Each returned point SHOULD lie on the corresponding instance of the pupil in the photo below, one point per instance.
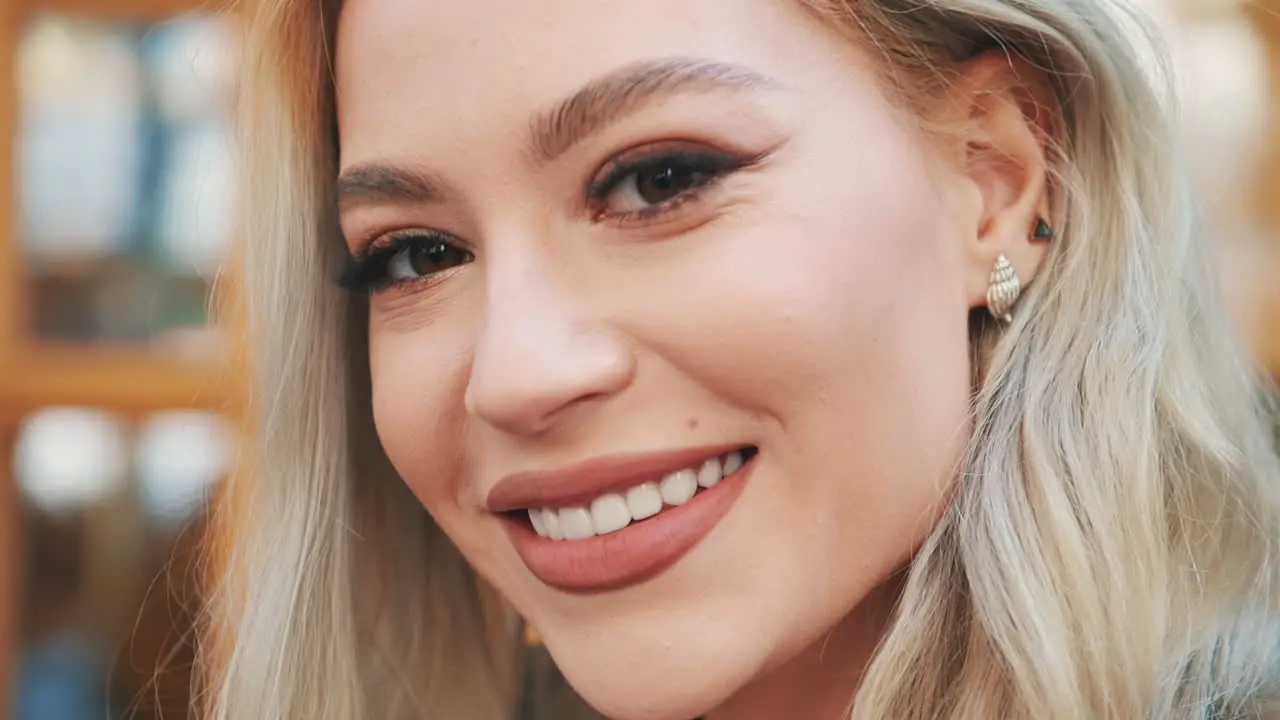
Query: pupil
(429, 260)
(664, 184)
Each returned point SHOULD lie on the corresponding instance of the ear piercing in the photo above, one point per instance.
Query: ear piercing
(1003, 290)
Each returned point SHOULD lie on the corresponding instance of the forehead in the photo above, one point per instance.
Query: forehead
(420, 68)
(499, 38)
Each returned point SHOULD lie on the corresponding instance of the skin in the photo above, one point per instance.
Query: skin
(814, 304)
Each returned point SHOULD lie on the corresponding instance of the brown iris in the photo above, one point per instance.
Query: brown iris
(432, 258)
(662, 183)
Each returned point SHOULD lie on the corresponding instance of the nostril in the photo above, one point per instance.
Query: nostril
(538, 363)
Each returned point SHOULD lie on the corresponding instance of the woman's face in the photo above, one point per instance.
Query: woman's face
(618, 247)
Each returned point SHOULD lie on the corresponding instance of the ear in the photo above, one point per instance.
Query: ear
(1001, 110)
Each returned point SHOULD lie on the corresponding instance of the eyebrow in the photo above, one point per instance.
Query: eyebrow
(374, 183)
(553, 132)
(607, 99)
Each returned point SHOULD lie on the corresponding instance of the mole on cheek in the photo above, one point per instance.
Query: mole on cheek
(693, 423)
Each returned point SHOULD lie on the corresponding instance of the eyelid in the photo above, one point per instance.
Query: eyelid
(627, 161)
(720, 165)
(365, 270)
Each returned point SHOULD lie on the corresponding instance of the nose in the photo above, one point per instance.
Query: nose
(540, 354)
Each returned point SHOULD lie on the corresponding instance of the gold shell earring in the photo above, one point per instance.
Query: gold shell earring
(1003, 290)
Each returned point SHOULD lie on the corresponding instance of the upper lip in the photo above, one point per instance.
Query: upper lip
(579, 484)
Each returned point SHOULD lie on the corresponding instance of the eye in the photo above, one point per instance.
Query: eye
(400, 259)
(655, 185)
(652, 180)
(424, 257)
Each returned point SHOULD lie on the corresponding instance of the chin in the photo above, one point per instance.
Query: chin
(634, 674)
(619, 696)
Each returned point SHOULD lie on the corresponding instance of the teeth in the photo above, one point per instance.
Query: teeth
(612, 512)
(535, 517)
(678, 487)
(576, 523)
(644, 501)
(551, 520)
(609, 513)
(732, 462)
(710, 473)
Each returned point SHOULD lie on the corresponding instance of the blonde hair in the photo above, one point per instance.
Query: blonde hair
(1110, 551)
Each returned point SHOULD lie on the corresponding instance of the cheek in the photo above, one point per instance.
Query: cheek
(847, 294)
(417, 380)
(839, 315)
(864, 329)
(419, 372)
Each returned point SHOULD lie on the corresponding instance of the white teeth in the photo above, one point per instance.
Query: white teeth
(612, 512)
(609, 513)
(551, 521)
(732, 462)
(576, 523)
(644, 501)
(535, 517)
(710, 473)
(678, 487)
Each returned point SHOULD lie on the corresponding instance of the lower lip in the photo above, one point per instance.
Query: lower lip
(633, 554)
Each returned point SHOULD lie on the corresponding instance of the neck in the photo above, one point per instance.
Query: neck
(821, 681)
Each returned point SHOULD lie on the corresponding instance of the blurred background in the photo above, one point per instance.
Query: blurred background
(119, 405)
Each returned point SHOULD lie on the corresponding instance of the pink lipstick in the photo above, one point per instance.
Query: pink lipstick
(618, 520)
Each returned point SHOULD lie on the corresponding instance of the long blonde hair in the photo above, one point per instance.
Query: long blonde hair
(1111, 548)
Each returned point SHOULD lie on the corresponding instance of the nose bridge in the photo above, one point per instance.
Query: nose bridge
(540, 348)
(528, 310)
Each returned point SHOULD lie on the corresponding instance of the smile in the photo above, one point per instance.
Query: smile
(614, 511)
(617, 521)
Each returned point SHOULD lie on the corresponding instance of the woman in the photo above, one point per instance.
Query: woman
(776, 359)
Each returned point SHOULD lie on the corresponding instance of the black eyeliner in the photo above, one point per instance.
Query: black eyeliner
(366, 270)
(360, 272)
(710, 162)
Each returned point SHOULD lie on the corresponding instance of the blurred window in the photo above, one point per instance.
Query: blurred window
(125, 174)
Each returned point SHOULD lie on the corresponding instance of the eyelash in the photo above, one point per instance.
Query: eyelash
(714, 164)
(367, 271)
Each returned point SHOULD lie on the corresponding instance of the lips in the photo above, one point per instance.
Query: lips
(568, 526)
(580, 484)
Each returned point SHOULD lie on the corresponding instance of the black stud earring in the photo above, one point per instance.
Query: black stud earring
(1043, 231)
